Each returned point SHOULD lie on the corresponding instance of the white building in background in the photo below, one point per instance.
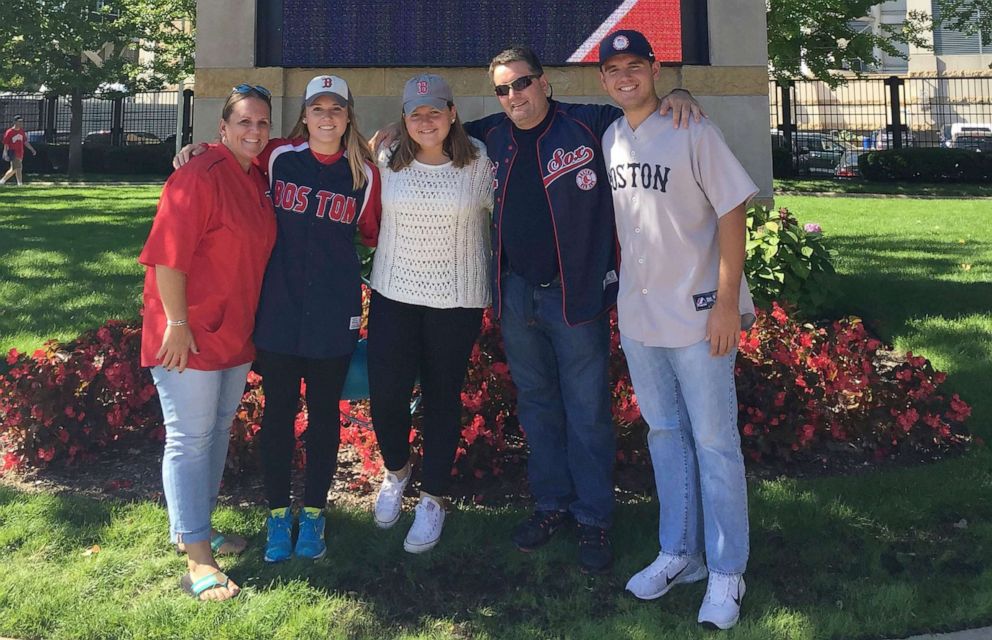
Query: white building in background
(951, 52)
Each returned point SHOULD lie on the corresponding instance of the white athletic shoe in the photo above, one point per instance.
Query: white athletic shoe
(389, 502)
(657, 579)
(428, 521)
(722, 603)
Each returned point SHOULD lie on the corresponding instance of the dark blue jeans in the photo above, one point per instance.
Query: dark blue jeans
(563, 401)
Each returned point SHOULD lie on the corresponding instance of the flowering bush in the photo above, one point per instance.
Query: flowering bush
(489, 423)
(804, 388)
(786, 262)
(804, 391)
(69, 401)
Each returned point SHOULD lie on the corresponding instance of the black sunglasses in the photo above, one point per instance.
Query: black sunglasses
(519, 84)
(244, 87)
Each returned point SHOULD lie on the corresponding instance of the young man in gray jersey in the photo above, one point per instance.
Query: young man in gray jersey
(679, 197)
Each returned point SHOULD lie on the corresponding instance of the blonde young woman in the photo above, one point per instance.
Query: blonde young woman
(430, 281)
(324, 187)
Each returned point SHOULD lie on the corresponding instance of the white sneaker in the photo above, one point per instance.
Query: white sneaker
(389, 502)
(722, 603)
(428, 521)
(657, 579)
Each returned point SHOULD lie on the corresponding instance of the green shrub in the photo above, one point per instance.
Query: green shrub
(926, 165)
(128, 160)
(782, 164)
(786, 261)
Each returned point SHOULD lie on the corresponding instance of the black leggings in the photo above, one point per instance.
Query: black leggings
(404, 340)
(281, 375)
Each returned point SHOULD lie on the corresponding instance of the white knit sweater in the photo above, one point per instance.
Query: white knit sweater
(434, 242)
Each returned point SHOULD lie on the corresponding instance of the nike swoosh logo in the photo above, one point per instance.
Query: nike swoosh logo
(737, 598)
(670, 579)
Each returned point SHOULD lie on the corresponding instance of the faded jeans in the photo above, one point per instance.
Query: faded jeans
(198, 408)
(689, 400)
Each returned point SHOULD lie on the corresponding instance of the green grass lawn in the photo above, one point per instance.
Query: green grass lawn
(881, 554)
(920, 273)
(927, 189)
(68, 259)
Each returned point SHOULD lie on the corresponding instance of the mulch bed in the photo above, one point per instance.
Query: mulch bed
(135, 474)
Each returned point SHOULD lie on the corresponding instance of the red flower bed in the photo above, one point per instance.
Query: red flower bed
(804, 391)
(803, 388)
(69, 401)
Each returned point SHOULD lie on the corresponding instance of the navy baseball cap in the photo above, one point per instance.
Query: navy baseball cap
(625, 41)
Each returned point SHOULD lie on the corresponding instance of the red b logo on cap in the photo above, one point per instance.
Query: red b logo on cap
(422, 88)
(327, 81)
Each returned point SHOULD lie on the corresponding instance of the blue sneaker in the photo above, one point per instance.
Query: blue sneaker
(279, 540)
(310, 543)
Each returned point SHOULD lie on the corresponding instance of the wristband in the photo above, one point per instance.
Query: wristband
(175, 323)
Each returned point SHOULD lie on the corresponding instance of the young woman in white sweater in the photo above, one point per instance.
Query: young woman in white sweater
(430, 284)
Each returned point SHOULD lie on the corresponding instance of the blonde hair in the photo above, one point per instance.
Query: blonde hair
(457, 146)
(355, 144)
(238, 96)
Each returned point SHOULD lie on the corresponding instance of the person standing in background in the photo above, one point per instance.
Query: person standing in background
(14, 141)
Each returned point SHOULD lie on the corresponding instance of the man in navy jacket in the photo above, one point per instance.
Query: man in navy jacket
(555, 276)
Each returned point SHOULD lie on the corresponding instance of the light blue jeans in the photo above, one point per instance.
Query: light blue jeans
(689, 400)
(198, 407)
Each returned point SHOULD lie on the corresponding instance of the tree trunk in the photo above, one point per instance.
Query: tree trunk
(76, 135)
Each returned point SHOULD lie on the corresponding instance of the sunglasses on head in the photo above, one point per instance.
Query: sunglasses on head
(244, 87)
(519, 84)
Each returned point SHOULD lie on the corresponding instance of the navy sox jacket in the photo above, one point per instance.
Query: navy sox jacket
(574, 174)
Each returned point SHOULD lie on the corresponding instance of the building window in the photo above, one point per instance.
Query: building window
(948, 42)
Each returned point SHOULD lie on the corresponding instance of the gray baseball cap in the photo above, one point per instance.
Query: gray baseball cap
(427, 88)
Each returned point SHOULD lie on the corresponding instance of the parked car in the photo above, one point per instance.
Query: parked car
(979, 141)
(38, 137)
(130, 138)
(882, 139)
(815, 152)
(847, 166)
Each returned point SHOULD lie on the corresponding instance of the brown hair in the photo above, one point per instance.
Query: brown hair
(457, 146)
(238, 96)
(517, 53)
(353, 141)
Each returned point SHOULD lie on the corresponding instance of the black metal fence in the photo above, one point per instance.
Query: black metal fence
(144, 118)
(818, 130)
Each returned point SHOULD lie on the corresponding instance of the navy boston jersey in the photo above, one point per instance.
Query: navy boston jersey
(311, 301)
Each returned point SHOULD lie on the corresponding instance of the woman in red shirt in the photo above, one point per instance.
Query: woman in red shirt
(205, 258)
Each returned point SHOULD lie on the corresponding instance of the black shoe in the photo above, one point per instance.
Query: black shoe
(536, 530)
(595, 553)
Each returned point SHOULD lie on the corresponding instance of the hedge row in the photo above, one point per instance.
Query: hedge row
(926, 165)
(129, 160)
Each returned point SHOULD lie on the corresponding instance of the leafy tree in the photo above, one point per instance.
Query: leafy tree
(80, 47)
(818, 37)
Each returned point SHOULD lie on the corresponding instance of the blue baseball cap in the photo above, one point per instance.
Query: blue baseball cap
(625, 41)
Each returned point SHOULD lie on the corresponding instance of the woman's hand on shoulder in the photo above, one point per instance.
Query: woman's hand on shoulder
(384, 138)
(187, 153)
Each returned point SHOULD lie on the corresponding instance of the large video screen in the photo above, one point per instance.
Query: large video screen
(395, 33)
